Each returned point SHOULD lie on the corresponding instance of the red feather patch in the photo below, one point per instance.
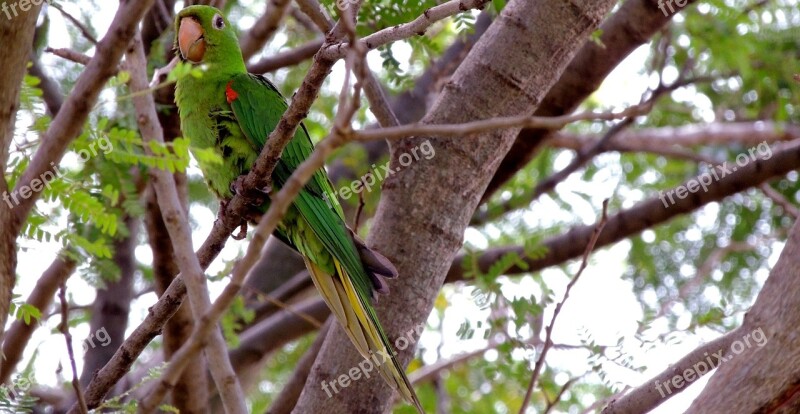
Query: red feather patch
(230, 94)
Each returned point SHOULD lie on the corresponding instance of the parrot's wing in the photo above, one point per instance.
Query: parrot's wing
(258, 106)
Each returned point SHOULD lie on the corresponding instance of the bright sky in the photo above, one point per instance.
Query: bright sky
(601, 304)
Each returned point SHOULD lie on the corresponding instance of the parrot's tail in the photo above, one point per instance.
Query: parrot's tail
(362, 326)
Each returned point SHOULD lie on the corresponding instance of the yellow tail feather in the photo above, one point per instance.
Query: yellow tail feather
(341, 296)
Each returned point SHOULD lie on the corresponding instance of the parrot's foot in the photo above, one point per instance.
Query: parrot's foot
(242, 232)
(259, 195)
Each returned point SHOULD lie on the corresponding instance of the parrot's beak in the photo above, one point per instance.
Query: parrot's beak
(190, 40)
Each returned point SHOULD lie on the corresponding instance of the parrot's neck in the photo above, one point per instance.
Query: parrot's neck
(198, 97)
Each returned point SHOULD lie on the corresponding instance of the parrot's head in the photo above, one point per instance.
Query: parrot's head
(204, 35)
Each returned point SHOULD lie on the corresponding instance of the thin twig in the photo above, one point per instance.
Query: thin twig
(162, 72)
(286, 58)
(475, 127)
(549, 329)
(359, 210)
(84, 30)
(417, 26)
(70, 55)
(780, 200)
(285, 306)
(64, 328)
(378, 104)
(551, 404)
(548, 184)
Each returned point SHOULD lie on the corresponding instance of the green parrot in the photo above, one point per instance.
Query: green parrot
(233, 112)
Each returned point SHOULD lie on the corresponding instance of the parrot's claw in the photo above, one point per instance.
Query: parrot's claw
(242, 232)
(259, 195)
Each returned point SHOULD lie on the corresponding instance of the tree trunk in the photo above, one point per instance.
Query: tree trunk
(426, 207)
(763, 377)
(13, 31)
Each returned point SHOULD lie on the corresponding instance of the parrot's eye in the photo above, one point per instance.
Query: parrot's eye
(219, 22)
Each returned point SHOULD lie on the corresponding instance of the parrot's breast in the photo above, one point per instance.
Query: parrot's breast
(209, 123)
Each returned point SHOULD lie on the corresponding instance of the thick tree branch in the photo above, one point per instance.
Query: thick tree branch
(51, 94)
(312, 9)
(276, 331)
(643, 215)
(646, 397)
(190, 393)
(264, 28)
(41, 298)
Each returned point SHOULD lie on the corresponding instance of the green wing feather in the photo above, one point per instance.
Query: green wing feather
(258, 106)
